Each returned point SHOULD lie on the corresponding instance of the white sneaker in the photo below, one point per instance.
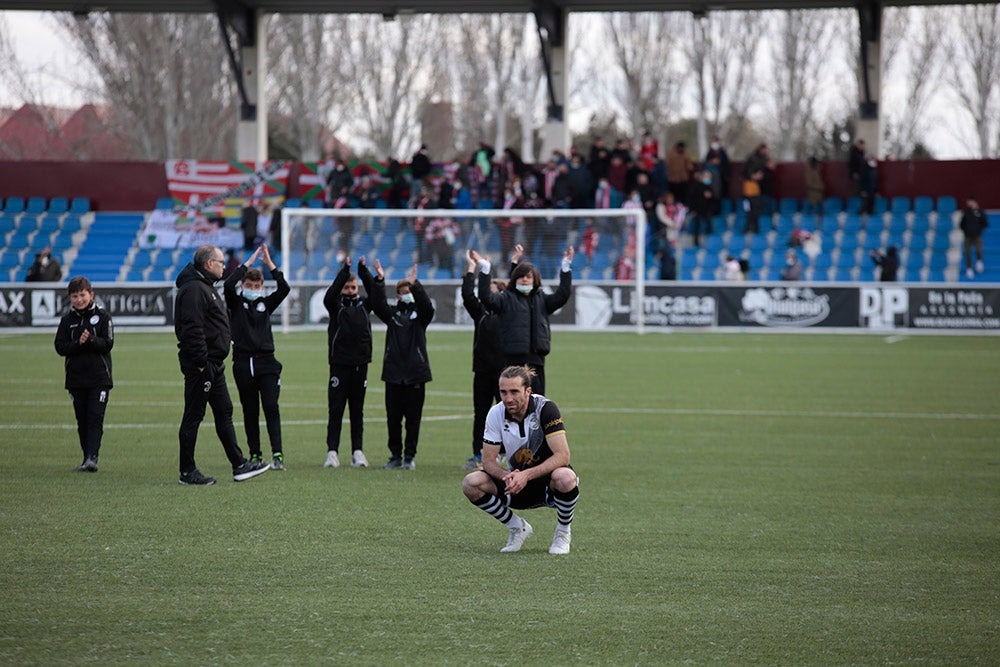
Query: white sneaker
(969, 274)
(560, 543)
(517, 537)
(332, 460)
(358, 459)
(979, 266)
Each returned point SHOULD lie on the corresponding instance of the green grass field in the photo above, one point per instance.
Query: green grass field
(745, 499)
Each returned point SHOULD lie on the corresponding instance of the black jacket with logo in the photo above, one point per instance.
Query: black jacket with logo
(405, 360)
(487, 355)
(87, 365)
(524, 319)
(201, 322)
(250, 321)
(349, 333)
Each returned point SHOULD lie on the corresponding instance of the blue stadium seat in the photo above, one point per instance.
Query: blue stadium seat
(900, 205)
(164, 259)
(71, 224)
(63, 240)
(788, 205)
(142, 260)
(881, 205)
(48, 224)
(79, 205)
(737, 242)
(897, 224)
(846, 260)
(7, 224)
(35, 205)
(914, 262)
(9, 259)
(822, 261)
(946, 205)
(923, 204)
(58, 205)
(759, 242)
(727, 206)
(853, 205)
(936, 276)
(833, 205)
(843, 275)
(27, 224)
(14, 205)
(135, 275)
(316, 203)
(918, 242)
(784, 224)
(938, 261)
(848, 242)
(713, 243)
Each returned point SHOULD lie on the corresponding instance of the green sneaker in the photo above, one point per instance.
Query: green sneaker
(278, 463)
(256, 458)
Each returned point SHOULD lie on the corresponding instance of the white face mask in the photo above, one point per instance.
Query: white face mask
(406, 298)
(252, 295)
(525, 289)
(715, 145)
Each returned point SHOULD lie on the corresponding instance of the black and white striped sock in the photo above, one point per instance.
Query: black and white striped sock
(495, 507)
(565, 505)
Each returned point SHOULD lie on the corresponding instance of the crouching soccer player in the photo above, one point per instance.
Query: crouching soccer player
(530, 430)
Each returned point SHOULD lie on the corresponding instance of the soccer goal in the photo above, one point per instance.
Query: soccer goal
(609, 244)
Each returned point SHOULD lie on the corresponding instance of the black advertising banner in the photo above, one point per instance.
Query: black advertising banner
(788, 306)
(45, 304)
(14, 305)
(954, 308)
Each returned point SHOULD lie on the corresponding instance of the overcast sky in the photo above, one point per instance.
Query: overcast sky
(48, 59)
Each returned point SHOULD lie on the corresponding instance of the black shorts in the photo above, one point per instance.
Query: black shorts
(536, 493)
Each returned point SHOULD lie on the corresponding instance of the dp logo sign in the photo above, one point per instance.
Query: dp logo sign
(884, 307)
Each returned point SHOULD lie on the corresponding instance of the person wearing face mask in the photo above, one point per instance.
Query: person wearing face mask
(349, 349)
(256, 371)
(45, 269)
(85, 337)
(523, 311)
(405, 366)
(717, 160)
(702, 204)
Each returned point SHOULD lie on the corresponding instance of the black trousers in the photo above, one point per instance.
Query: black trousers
(485, 392)
(201, 389)
(89, 405)
(403, 401)
(347, 388)
(258, 381)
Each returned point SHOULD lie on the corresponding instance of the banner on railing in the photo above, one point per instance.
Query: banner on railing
(204, 186)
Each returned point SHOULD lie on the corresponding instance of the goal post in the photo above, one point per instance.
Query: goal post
(311, 233)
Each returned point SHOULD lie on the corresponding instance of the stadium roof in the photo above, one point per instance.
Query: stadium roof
(397, 7)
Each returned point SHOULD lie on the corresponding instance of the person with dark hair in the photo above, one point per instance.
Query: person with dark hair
(201, 324)
(349, 351)
(487, 357)
(406, 368)
(889, 263)
(45, 268)
(973, 224)
(523, 310)
(255, 369)
(528, 429)
(85, 337)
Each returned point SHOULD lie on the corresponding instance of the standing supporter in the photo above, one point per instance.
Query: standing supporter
(201, 325)
(405, 366)
(669, 221)
(508, 226)
(523, 310)
(85, 337)
(648, 151)
(702, 204)
(528, 429)
(255, 369)
(679, 168)
(349, 351)
(855, 161)
(487, 358)
(888, 263)
(717, 160)
(973, 225)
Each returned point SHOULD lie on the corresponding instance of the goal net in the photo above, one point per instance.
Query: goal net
(609, 244)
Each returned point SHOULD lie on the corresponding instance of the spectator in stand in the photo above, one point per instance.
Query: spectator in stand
(583, 187)
(487, 358)
(441, 235)
(760, 161)
(717, 161)
(647, 194)
(889, 263)
(648, 151)
(248, 223)
(339, 182)
(622, 152)
(420, 170)
(85, 337)
(405, 368)
(461, 200)
(669, 221)
(617, 172)
(814, 189)
(482, 170)
(367, 193)
(733, 269)
(397, 184)
(589, 238)
(658, 176)
(549, 174)
(868, 185)
(512, 167)
(634, 201)
(45, 268)
(679, 168)
(792, 270)
(425, 200)
(508, 225)
(600, 160)
(523, 311)
(702, 203)
(855, 161)
(973, 224)
(625, 267)
(751, 201)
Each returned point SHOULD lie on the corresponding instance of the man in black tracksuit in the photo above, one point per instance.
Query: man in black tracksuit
(405, 367)
(255, 369)
(487, 359)
(349, 351)
(201, 325)
(85, 337)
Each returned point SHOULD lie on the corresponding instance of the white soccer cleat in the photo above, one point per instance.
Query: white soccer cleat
(517, 537)
(358, 459)
(332, 460)
(560, 543)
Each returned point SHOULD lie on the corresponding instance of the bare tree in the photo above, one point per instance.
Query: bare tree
(802, 40)
(905, 122)
(975, 72)
(647, 68)
(386, 65)
(306, 76)
(164, 75)
(723, 54)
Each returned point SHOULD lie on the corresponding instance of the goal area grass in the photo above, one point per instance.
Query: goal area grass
(791, 499)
